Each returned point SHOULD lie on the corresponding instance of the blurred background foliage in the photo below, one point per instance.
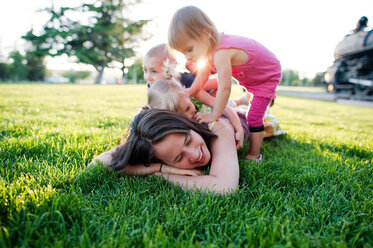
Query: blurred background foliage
(101, 35)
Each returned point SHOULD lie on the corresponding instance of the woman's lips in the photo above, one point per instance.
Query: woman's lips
(201, 156)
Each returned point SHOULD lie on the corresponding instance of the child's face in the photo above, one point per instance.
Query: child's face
(153, 69)
(186, 107)
(194, 50)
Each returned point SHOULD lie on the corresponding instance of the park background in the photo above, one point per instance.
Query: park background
(302, 34)
(313, 189)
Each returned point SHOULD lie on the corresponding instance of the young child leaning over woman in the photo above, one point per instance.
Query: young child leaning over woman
(255, 67)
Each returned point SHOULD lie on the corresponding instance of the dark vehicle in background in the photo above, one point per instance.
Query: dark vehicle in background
(351, 75)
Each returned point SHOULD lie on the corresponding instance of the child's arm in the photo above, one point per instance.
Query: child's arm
(222, 61)
(200, 80)
(211, 84)
(209, 100)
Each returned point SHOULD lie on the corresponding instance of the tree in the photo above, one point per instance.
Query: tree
(35, 69)
(103, 37)
(35, 54)
(17, 68)
(290, 77)
(73, 76)
(136, 73)
(318, 80)
(4, 71)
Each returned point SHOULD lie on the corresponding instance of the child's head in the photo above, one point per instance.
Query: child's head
(159, 63)
(192, 33)
(169, 94)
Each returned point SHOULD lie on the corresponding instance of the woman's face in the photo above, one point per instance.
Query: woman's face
(183, 151)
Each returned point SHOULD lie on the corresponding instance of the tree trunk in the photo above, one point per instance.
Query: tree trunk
(124, 76)
(100, 73)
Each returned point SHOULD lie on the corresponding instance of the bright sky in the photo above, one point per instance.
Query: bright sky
(302, 34)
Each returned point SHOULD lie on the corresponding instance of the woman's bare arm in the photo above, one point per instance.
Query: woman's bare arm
(142, 170)
(209, 100)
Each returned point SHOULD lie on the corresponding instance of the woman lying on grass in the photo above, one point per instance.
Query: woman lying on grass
(168, 144)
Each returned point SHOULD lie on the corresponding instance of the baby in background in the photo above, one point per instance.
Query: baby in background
(160, 63)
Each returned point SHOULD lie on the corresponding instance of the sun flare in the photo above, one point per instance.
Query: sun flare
(201, 63)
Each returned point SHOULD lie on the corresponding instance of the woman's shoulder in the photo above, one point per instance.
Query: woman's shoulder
(221, 127)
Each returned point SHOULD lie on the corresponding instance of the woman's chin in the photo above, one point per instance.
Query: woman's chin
(206, 157)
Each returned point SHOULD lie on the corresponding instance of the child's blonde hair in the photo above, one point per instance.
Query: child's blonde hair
(191, 22)
(165, 94)
(164, 53)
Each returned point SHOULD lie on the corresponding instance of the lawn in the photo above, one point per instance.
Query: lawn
(313, 189)
(303, 88)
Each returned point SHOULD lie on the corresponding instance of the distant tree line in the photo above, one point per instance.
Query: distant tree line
(100, 34)
(30, 67)
(293, 78)
(27, 67)
(104, 37)
(289, 77)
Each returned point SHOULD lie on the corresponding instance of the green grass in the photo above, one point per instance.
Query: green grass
(313, 189)
(303, 88)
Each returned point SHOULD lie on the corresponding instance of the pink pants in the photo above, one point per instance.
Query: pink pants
(256, 113)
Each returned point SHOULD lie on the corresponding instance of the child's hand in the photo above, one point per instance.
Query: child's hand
(204, 117)
(239, 136)
(190, 66)
(188, 92)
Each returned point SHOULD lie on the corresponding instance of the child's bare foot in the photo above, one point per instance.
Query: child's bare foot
(243, 100)
(255, 158)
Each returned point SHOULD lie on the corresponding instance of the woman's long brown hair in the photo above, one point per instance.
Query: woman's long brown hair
(149, 127)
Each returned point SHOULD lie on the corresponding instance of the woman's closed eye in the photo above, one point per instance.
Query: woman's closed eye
(188, 140)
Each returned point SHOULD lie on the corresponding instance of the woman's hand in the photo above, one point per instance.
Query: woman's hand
(157, 169)
(166, 169)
